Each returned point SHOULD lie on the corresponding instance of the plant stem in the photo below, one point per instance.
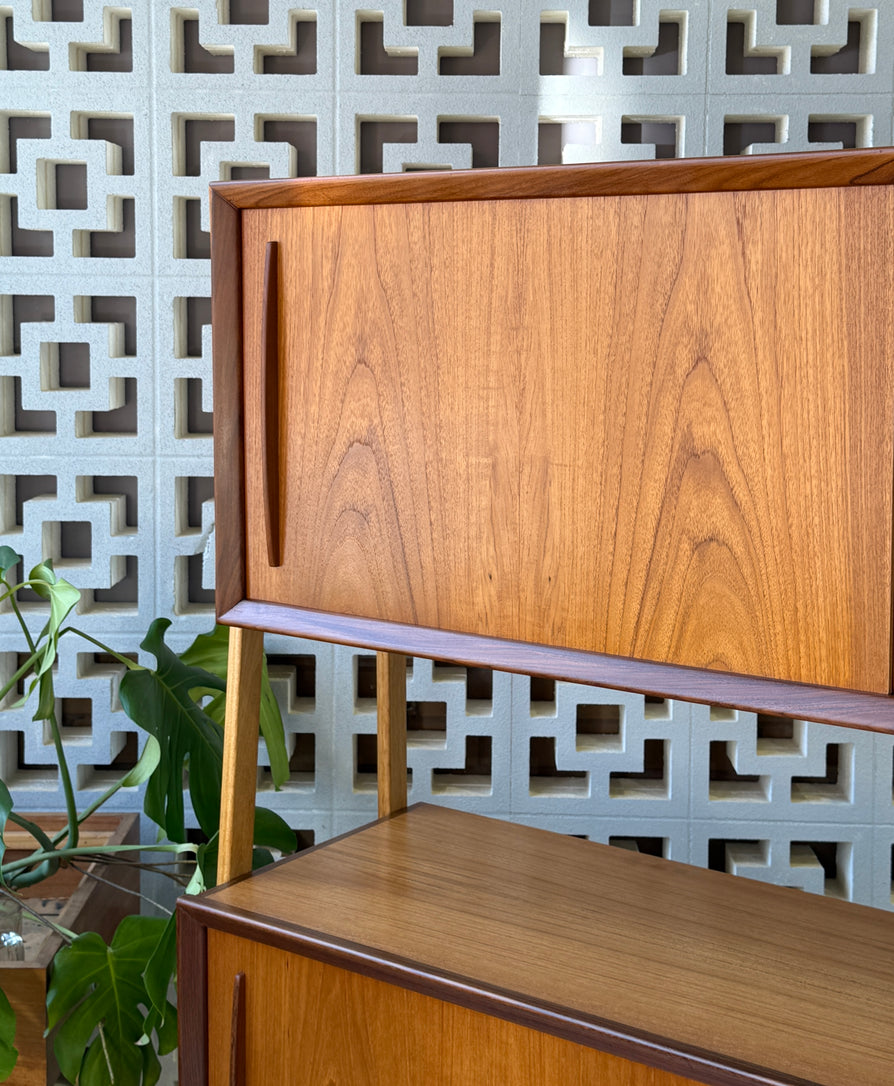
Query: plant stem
(122, 889)
(87, 852)
(63, 933)
(131, 665)
(158, 868)
(67, 789)
(36, 832)
(23, 670)
(179, 878)
(25, 630)
(94, 806)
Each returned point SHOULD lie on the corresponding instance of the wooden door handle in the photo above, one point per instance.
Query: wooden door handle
(237, 1033)
(270, 402)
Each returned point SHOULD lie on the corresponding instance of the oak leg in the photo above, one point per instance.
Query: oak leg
(391, 707)
(240, 752)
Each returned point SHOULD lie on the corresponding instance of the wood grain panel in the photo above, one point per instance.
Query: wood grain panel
(816, 169)
(603, 946)
(229, 476)
(650, 427)
(28, 997)
(345, 1029)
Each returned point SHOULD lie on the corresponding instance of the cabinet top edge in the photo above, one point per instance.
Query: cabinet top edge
(812, 169)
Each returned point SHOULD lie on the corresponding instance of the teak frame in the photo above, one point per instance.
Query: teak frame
(249, 552)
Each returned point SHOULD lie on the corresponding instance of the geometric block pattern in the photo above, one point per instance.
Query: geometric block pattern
(112, 123)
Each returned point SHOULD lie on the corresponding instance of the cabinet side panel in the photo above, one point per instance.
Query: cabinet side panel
(229, 474)
(655, 427)
(193, 994)
(309, 1022)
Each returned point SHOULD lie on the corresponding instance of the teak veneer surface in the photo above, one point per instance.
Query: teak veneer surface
(817, 169)
(503, 918)
(346, 1029)
(656, 427)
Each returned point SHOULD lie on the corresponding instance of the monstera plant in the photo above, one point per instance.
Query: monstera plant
(109, 1003)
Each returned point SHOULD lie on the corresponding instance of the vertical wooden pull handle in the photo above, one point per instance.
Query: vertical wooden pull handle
(391, 742)
(237, 1033)
(270, 402)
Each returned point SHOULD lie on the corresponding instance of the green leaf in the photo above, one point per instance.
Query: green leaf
(151, 1066)
(46, 701)
(45, 657)
(62, 595)
(94, 986)
(279, 834)
(22, 673)
(260, 857)
(159, 701)
(161, 969)
(141, 772)
(200, 880)
(166, 1031)
(5, 809)
(216, 708)
(273, 731)
(8, 1053)
(8, 560)
(210, 651)
(146, 764)
(42, 573)
(272, 831)
(164, 1027)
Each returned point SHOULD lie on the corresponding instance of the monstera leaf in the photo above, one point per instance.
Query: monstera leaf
(159, 700)
(95, 997)
(5, 809)
(209, 651)
(160, 970)
(162, 702)
(63, 598)
(9, 559)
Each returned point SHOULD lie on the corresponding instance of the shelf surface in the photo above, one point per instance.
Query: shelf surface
(609, 948)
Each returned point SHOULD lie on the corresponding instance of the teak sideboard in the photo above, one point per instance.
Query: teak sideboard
(628, 425)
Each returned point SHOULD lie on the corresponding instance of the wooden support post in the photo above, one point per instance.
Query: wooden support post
(240, 753)
(391, 706)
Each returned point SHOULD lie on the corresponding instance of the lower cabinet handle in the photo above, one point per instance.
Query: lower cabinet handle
(237, 1033)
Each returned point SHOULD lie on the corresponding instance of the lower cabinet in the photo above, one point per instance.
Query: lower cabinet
(301, 1021)
(437, 948)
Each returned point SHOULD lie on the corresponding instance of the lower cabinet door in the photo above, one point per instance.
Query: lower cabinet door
(278, 1017)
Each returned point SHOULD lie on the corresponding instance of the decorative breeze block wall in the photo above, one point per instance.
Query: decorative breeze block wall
(113, 120)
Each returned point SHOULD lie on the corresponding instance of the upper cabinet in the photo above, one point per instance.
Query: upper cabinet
(649, 419)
